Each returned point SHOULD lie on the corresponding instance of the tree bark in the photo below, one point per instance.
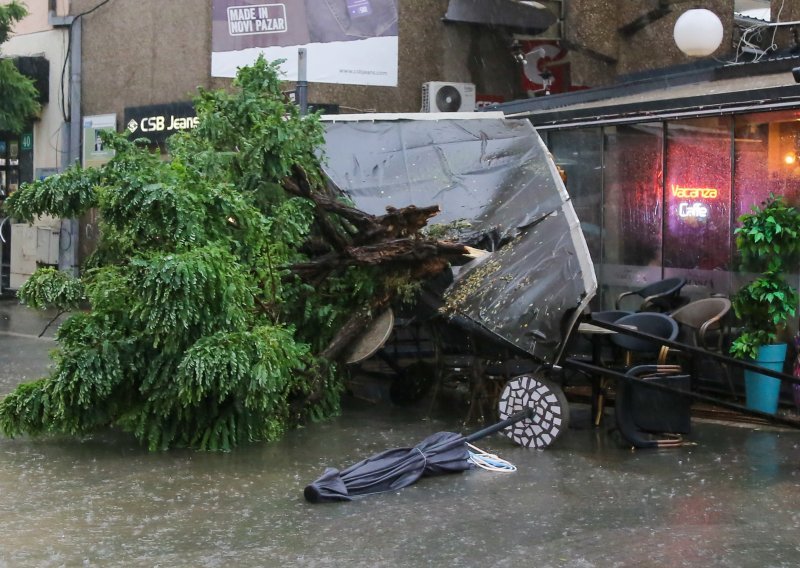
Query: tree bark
(405, 251)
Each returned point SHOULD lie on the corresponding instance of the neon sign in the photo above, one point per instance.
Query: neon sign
(694, 192)
(696, 210)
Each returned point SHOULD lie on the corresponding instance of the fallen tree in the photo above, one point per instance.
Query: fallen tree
(226, 285)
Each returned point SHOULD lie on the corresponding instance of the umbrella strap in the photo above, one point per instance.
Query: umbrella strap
(424, 457)
(489, 461)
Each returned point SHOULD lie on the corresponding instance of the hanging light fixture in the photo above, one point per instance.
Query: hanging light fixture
(698, 32)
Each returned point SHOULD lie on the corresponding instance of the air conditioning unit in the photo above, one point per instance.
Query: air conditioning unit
(440, 96)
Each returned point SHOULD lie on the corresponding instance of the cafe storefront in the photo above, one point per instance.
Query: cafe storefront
(659, 176)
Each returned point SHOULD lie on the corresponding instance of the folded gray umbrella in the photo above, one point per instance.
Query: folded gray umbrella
(443, 452)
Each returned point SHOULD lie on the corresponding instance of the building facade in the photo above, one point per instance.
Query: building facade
(39, 48)
(660, 174)
(117, 61)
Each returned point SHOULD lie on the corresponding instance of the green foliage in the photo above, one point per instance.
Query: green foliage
(195, 331)
(767, 241)
(62, 195)
(263, 138)
(229, 387)
(764, 305)
(18, 96)
(769, 238)
(9, 14)
(189, 295)
(49, 288)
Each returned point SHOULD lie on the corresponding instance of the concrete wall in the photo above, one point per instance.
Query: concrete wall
(48, 130)
(151, 51)
(33, 36)
(143, 52)
(139, 52)
(420, 60)
(430, 50)
(592, 26)
(36, 20)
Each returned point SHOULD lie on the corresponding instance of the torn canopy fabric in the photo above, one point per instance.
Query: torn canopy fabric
(498, 189)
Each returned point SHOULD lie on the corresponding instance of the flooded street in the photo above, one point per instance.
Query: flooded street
(733, 499)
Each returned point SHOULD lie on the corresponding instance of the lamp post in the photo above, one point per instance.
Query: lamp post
(698, 32)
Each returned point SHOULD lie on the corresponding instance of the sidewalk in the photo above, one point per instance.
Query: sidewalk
(21, 321)
(26, 340)
(729, 498)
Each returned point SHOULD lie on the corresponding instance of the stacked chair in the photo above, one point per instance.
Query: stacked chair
(636, 350)
(649, 417)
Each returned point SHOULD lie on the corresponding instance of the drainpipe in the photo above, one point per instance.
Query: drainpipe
(68, 255)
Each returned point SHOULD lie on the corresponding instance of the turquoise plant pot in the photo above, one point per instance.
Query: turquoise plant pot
(762, 391)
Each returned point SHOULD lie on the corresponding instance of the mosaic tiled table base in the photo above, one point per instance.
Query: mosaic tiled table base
(549, 418)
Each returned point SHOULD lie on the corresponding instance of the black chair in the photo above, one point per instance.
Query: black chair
(653, 418)
(657, 324)
(637, 348)
(602, 350)
(610, 316)
(661, 296)
(586, 345)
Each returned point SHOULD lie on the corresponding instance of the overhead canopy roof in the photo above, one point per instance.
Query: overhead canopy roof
(725, 89)
(520, 17)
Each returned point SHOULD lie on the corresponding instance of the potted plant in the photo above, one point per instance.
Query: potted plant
(769, 242)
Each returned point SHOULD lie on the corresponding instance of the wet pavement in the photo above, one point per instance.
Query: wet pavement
(731, 499)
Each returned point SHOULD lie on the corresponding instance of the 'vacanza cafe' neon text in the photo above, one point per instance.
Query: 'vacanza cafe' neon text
(695, 210)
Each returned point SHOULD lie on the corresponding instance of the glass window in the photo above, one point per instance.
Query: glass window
(579, 155)
(9, 182)
(632, 201)
(697, 238)
(649, 215)
(767, 158)
(9, 166)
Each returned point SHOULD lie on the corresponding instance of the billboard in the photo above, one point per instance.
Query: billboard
(350, 42)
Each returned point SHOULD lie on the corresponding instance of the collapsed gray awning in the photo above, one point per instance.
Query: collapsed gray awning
(498, 189)
(520, 17)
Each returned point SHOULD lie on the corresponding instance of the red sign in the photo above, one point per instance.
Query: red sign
(545, 68)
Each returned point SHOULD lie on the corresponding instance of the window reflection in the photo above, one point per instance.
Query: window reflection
(579, 154)
(767, 158)
(631, 209)
(632, 202)
(648, 215)
(697, 196)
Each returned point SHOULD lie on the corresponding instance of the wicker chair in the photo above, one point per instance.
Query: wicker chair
(703, 323)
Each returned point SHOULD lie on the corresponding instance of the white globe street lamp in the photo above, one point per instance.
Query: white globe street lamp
(698, 32)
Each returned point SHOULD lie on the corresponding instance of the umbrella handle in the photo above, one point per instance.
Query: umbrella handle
(513, 419)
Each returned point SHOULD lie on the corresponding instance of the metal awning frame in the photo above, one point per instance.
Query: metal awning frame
(601, 105)
(690, 107)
